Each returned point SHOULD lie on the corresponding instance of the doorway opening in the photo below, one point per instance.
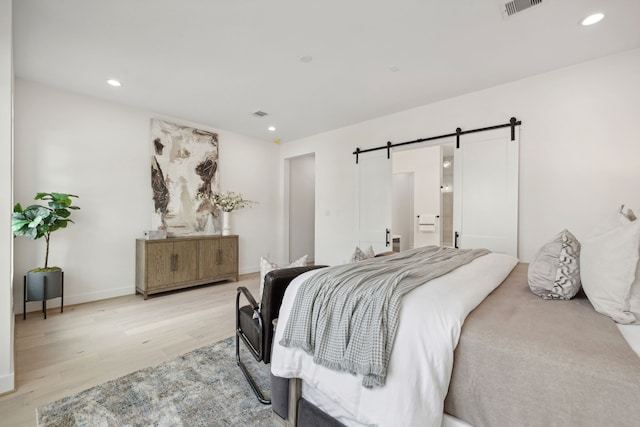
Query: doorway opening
(301, 207)
(402, 211)
(424, 174)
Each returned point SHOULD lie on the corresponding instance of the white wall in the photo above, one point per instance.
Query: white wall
(335, 192)
(425, 163)
(580, 145)
(6, 161)
(101, 151)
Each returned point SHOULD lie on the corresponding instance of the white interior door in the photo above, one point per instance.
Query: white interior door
(373, 172)
(486, 191)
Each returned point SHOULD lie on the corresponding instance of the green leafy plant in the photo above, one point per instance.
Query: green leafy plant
(38, 221)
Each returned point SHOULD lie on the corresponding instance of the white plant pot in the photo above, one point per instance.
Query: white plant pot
(226, 223)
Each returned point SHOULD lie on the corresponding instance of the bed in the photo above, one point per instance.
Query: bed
(518, 360)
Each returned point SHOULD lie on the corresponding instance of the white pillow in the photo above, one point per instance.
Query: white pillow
(360, 255)
(267, 266)
(608, 266)
(634, 297)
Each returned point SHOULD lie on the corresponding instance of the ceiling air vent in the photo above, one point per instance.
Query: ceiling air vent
(260, 113)
(510, 8)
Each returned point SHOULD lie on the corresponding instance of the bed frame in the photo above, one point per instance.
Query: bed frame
(291, 409)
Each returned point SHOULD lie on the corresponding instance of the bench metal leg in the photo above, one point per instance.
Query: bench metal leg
(247, 375)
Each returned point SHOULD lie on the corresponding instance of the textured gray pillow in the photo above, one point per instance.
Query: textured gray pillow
(360, 255)
(555, 272)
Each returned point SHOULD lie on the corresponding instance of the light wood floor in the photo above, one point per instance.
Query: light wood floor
(95, 342)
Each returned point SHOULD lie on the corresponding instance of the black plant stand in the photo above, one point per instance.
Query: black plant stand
(44, 299)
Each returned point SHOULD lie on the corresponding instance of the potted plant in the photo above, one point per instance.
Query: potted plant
(38, 221)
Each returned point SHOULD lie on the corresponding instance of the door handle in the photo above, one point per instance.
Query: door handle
(387, 237)
(455, 242)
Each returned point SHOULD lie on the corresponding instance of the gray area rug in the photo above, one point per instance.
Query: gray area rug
(202, 388)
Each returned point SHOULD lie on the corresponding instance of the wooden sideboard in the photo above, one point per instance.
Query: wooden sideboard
(180, 262)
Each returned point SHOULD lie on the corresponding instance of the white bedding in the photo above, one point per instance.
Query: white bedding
(422, 358)
(631, 333)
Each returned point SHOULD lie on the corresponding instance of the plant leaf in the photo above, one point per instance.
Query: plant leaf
(17, 225)
(36, 221)
(31, 233)
(63, 213)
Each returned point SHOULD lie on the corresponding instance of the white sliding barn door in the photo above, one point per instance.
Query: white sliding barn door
(486, 191)
(374, 183)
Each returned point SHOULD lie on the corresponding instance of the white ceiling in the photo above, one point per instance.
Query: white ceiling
(215, 62)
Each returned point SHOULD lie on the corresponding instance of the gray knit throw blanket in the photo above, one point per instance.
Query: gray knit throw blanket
(346, 316)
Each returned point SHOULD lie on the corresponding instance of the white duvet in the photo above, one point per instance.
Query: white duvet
(422, 356)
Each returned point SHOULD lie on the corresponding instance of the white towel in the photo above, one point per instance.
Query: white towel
(426, 219)
(427, 223)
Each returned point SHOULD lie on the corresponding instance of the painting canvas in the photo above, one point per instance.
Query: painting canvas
(184, 176)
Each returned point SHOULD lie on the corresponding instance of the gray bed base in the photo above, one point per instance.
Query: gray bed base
(290, 409)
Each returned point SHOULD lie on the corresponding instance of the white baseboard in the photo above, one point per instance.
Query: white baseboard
(7, 383)
(96, 296)
(77, 299)
(249, 270)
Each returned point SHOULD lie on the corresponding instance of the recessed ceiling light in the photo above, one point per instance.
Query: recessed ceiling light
(592, 19)
(114, 83)
(272, 128)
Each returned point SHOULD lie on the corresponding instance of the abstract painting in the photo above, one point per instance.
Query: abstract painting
(184, 176)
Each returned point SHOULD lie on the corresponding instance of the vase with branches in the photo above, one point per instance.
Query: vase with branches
(228, 202)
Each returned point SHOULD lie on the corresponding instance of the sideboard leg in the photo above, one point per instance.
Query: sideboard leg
(46, 295)
(62, 294)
